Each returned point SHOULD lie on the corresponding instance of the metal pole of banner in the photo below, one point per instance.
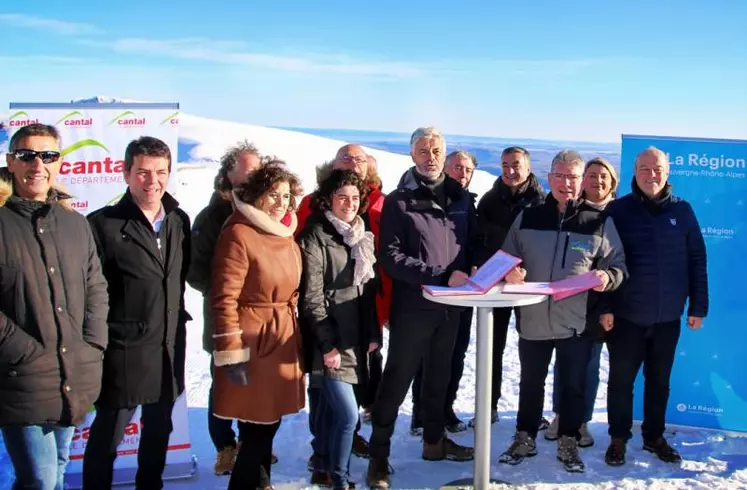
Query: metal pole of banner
(482, 397)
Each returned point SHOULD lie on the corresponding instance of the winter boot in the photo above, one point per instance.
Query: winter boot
(615, 455)
(447, 449)
(663, 450)
(378, 473)
(453, 424)
(493, 419)
(521, 448)
(224, 461)
(360, 446)
(568, 455)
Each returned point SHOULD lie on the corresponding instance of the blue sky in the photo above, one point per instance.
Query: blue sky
(536, 69)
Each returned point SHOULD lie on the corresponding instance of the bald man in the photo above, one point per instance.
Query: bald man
(666, 259)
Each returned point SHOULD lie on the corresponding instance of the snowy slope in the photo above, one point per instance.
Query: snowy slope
(208, 139)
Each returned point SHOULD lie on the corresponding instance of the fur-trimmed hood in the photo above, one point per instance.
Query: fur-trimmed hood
(6, 190)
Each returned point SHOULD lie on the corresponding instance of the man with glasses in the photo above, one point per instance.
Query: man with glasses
(563, 237)
(516, 189)
(53, 309)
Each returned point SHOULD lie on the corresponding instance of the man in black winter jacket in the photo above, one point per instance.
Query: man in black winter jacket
(425, 239)
(144, 246)
(460, 165)
(666, 258)
(235, 166)
(516, 189)
(53, 308)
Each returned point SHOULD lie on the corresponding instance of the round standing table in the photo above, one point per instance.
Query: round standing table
(484, 304)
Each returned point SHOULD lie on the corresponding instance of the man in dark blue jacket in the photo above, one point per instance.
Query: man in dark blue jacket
(666, 259)
(426, 224)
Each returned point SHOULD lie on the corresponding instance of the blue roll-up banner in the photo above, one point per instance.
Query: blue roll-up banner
(708, 384)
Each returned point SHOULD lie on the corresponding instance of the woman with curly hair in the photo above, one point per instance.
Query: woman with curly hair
(254, 293)
(338, 295)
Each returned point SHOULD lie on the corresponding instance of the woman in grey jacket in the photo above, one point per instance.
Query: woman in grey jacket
(338, 290)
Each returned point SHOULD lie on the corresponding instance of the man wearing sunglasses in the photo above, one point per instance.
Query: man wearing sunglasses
(53, 329)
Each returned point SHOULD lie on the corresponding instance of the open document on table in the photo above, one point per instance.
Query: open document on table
(558, 289)
(484, 278)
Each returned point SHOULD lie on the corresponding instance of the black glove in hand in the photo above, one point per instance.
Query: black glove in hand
(238, 373)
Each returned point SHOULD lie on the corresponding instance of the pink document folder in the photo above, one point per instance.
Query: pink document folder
(558, 289)
(484, 278)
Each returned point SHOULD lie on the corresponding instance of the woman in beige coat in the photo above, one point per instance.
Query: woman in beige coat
(256, 274)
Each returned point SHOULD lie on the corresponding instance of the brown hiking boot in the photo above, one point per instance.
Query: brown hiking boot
(568, 455)
(378, 473)
(224, 461)
(522, 447)
(663, 450)
(360, 446)
(447, 449)
(615, 455)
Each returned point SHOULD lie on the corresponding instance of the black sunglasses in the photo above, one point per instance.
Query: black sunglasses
(28, 156)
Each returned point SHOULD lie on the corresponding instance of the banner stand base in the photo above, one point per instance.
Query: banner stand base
(126, 476)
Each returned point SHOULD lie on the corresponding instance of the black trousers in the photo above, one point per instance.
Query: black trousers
(571, 357)
(221, 430)
(501, 319)
(415, 336)
(106, 433)
(629, 346)
(457, 368)
(254, 461)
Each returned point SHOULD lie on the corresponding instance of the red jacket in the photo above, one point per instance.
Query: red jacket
(375, 204)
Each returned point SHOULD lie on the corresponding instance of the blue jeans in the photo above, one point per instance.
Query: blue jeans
(39, 454)
(336, 418)
(592, 383)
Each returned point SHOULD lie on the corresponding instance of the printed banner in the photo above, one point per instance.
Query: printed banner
(179, 460)
(708, 388)
(94, 138)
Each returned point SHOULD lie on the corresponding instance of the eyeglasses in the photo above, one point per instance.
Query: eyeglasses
(28, 156)
(571, 177)
(355, 160)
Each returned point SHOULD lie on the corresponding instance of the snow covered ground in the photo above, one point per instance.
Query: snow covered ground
(712, 460)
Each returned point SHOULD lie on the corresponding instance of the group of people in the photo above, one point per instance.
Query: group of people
(297, 294)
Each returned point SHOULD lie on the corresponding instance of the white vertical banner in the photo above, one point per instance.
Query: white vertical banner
(94, 138)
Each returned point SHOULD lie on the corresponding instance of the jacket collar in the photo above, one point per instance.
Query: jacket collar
(410, 182)
(655, 203)
(57, 194)
(529, 188)
(262, 220)
(128, 203)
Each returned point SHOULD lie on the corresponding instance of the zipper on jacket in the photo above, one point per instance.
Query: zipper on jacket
(554, 255)
(565, 248)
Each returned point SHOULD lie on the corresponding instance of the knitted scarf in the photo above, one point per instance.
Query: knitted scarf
(361, 243)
